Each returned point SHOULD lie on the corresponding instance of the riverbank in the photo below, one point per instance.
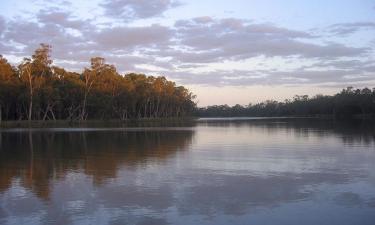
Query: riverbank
(98, 123)
(314, 116)
(162, 122)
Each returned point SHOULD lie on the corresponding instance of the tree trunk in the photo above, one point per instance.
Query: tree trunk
(158, 106)
(31, 94)
(53, 114)
(145, 106)
(84, 107)
(0, 114)
(45, 113)
(30, 106)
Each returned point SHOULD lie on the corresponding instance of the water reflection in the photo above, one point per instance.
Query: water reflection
(350, 131)
(37, 157)
(216, 172)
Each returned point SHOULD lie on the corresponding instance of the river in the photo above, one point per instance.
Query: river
(217, 171)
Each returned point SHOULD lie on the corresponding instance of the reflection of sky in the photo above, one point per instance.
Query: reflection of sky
(236, 175)
(259, 150)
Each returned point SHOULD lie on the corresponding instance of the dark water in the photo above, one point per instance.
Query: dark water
(209, 172)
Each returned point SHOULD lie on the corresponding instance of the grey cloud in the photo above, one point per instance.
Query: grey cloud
(232, 47)
(130, 37)
(190, 44)
(31, 34)
(349, 28)
(115, 44)
(122, 62)
(364, 65)
(203, 19)
(129, 63)
(221, 77)
(2, 25)
(268, 77)
(137, 9)
(190, 65)
(53, 2)
(228, 25)
(318, 76)
(6, 48)
(301, 76)
(210, 40)
(62, 18)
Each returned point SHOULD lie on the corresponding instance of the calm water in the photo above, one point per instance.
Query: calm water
(209, 172)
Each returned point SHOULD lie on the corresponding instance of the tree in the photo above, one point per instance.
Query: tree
(26, 76)
(38, 90)
(8, 82)
(348, 103)
(34, 72)
(89, 77)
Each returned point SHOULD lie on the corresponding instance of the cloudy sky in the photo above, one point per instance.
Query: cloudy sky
(236, 51)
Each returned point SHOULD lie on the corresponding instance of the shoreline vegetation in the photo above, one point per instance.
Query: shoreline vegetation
(166, 122)
(36, 94)
(140, 122)
(37, 90)
(349, 103)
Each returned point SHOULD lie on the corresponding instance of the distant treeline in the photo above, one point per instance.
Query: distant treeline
(36, 90)
(348, 103)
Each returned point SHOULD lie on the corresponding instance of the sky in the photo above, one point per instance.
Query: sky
(226, 52)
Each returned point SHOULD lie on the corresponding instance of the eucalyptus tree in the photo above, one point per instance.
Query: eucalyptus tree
(89, 77)
(71, 92)
(34, 72)
(28, 78)
(36, 89)
(8, 86)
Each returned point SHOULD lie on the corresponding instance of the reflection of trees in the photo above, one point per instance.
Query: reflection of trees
(350, 131)
(37, 157)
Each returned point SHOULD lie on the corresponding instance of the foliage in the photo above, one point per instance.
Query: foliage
(36, 90)
(349, 102)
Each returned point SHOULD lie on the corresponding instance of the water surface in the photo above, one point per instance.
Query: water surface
(279, 171)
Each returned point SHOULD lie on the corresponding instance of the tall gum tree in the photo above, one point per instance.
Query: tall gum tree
(89, 77)
(26, 76)
(34, 72)
(7, 81)
(40, 91)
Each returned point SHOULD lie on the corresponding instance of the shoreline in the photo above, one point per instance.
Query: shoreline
(142, 122)
(88, 123)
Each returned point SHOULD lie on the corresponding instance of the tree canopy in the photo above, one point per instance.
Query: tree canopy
(38, 90)
(348, 103)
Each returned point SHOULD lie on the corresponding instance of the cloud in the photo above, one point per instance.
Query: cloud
(2, 25)
(349, 28)
(127, 10)
(318, 76)
(131, 37)
(61, 18)
(365, 65)
(24, 32)
(118, 44)
(203, 19)
(212, 40)
(23, 37)
(299, 76)
(190, 50)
